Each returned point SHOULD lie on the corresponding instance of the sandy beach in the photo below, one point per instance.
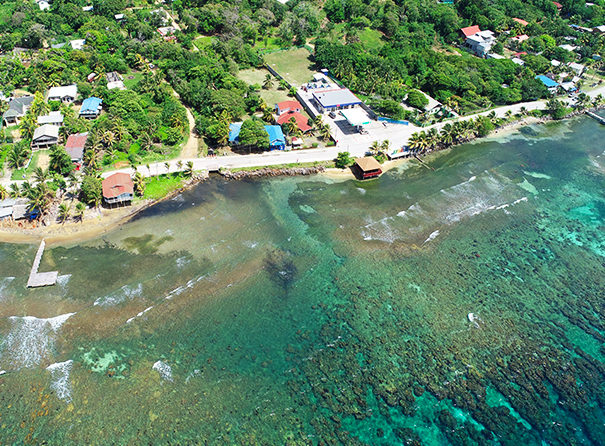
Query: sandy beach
(95, 223)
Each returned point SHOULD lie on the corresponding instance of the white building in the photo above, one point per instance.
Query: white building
(77, 44)
(576, 68)
(67, 93)
(481, 42)
(54, 118)
(43, 5)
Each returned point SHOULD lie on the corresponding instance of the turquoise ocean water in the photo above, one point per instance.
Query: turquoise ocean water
(316, 311)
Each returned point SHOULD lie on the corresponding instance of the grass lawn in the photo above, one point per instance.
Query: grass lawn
(268, 44)
(162, 185)
(257, 76)
(18, 173)
(202, 41)
(294, 65)
(371, 38)
(136, 77)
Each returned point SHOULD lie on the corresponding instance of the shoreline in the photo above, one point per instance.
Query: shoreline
(111, 219)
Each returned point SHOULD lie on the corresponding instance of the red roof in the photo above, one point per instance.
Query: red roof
(292, 105)
(117, 184)
(470, 30)
(521, 53)
(301, 120)
(521, 21)
(558, 5)
(76, 141)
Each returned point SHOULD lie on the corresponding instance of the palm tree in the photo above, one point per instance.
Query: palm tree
(26, 189)
(189, 169)
(385, 146)
(139, 184)
(432, 138)
(417, 141)
(375, 148)
(268, 83)
(179, 165)
(167, 166)
(14, 190)
(41, 175)
(146, 141)
(267, 115)
(109, 138)
(447, 134)
(3, 192)
(80, 207)
(64, 211)
(148, 169)
(28, 126)
(17, 156)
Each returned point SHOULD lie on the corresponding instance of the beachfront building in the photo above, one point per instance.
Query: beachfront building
(74, 146)
(548, 83)
(118, 189)
(91, 108)
(13, 208)
(66, 94)
(17, 108)
(339, 99)
(287, 106)
(367, 168)
(277, 140)
(54, 118)
(45, 136)
(302, 122)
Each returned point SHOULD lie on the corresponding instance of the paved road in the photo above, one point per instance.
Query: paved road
(355, 144)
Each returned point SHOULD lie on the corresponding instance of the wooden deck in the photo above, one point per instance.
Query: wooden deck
(37, 279)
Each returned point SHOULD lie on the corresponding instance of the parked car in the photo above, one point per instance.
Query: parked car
(332, 115)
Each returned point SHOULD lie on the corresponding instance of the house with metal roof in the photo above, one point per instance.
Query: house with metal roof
(54, 118)
(118, 189)
(329, 100)
(91, 108)
(302, 122)
(45, 136)
(277, 140)
(67, 93)
(17, 108)
(287, 106)
(74, 146)
(548, 83)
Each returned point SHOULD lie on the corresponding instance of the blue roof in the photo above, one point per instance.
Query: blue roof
(276, 136)
(547, 81)
(234, 130)
(91, 105)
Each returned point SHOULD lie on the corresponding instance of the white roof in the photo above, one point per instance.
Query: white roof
(495, 56)
(555, 63)
(51, 118)
(334, 98)
(119, 16)
(356, 116)
(87, 8)
(77, 44)
(600, 28)
(116, 84)
(576, 66)
(568, 47)
(518, 61)
(46, 130)
(61, 92)
(44, 5)
(567, 86)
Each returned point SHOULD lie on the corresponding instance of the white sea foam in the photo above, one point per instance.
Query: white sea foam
(361, 191)
(180, 289)
(127, 292)
(182, 261)
(4, 283)
(139, 314)
(196, 372)
(250, 244)
(63, 280)
(60, 379)
(164, 370)
(31, 339)
(432, 236)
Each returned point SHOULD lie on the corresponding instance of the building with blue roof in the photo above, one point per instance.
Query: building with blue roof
(234, 130)
(91, 108)
(277, 140)
(548, 83)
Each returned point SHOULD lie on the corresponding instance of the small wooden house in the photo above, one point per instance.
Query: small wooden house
(367, 168)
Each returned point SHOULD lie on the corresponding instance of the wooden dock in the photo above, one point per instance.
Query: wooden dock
(597, 117)
(37, 279)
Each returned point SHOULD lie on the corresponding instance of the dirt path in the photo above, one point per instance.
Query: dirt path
(190, 149)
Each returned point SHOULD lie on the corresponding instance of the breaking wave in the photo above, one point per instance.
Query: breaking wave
(60, 379)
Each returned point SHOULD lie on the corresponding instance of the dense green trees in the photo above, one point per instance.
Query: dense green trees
(253, 134)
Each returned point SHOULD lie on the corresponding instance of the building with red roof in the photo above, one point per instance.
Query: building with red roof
(287, 106)
(301, 120)
(470, 30)
(558, 5)
(118, 188)
(520, 21)
(74, 146)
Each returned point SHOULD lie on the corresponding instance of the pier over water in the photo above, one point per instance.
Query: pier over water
(37, 279)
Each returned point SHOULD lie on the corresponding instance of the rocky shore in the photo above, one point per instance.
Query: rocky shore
(269, 172)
